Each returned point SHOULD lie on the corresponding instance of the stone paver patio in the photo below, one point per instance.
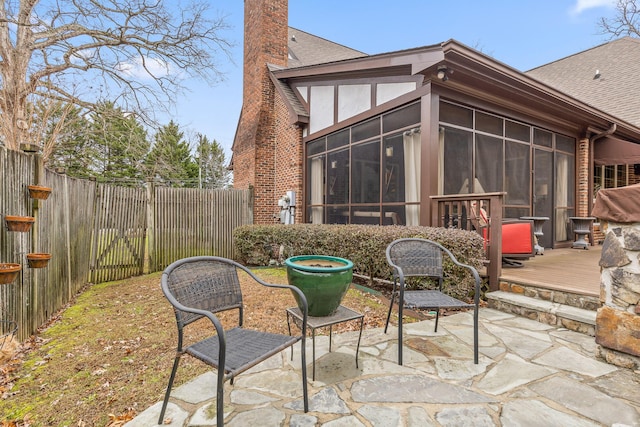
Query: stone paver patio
(530, 374)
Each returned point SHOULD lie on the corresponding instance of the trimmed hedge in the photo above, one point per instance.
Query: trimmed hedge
(364, 245)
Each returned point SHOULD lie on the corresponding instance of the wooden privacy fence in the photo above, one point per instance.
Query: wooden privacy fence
(62, 228)
(142, 230)
(96, 233)
(119, 232)
(189, 222)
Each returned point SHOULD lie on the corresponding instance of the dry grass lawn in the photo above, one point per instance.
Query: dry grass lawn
(108, 356)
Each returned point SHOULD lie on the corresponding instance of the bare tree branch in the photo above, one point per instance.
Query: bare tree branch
(626, 21)
(135, 52)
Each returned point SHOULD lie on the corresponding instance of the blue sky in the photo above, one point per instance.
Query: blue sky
(520, 33)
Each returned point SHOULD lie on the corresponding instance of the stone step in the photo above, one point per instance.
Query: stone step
(560, 296)
(545, 311)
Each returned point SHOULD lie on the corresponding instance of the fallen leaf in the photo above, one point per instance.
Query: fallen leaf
(120, 420)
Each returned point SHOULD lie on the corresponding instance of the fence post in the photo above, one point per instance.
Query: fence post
(35, 234)
(35, 203)
(150, 230)
(248, 219)
(97, 212)
(495, 242)
(67, 224)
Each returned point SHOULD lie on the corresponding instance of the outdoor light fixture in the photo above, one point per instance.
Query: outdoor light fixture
(442, 73)
(389, 151)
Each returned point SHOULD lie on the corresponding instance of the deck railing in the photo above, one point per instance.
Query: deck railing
(474, 212)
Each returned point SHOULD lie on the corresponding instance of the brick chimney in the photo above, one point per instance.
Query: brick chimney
(265, 42)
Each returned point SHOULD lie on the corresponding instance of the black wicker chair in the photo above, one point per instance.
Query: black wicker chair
(199, 287)
(415, 257)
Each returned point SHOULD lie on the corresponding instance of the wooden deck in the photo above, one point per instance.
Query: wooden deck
(571, 270)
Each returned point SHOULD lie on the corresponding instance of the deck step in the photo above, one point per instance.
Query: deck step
(545, 311)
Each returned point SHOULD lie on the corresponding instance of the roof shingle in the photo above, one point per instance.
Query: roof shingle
(615, 90)
(307, 49)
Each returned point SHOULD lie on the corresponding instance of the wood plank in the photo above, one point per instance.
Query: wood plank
(570, 270)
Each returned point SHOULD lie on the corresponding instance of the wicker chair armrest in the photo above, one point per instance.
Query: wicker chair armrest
(398, 278)
(298, 292)
(472, 269)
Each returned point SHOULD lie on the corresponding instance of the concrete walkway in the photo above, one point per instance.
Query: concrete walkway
(530, 374)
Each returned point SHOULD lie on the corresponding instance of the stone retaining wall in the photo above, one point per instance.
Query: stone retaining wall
(618, 320)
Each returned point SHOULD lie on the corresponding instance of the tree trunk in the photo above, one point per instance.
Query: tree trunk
(14, 125)
(13, 72)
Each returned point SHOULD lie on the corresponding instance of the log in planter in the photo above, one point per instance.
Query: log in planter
(39, 192)
(38, 260)
(323, 280)
(8, 272)
(19, 223)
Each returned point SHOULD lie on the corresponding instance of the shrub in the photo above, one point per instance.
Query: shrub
(364, 245)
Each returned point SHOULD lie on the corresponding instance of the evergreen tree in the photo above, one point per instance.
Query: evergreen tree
(210, 158)
(170, 159)
(121, 144)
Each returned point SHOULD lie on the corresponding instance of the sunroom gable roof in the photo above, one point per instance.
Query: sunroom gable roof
(472, 72)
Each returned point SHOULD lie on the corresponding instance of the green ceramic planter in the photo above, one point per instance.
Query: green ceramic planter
(323, 280)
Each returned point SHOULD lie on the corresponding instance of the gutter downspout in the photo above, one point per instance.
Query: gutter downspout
(592, 141)
(607, 132)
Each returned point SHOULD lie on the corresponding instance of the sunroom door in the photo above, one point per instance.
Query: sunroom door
(542, 193)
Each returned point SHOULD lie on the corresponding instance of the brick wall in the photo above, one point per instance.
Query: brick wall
(633, 178)
(288, 159)
(260, 126)
(582, 206)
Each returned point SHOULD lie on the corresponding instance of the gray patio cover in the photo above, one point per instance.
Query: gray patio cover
(620, 205)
